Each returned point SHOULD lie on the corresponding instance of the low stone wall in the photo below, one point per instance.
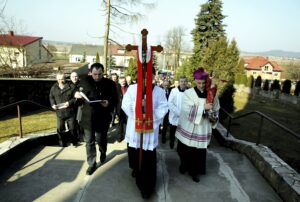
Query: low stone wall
(284, 98)
(277, 95)
(284, 179)
(12, 149)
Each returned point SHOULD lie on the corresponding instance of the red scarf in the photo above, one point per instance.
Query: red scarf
(144, 123)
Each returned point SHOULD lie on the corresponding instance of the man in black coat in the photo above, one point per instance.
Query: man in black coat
(77, 106)
(96, 116)
(62, 100)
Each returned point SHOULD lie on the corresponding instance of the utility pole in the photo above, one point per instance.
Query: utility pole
(106, 35)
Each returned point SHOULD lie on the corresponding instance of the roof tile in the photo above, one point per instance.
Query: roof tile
(257, 62)
(17, 40)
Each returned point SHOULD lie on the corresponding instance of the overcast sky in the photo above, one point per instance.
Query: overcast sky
(257, 25)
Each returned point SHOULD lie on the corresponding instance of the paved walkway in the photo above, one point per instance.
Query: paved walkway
(58, 174)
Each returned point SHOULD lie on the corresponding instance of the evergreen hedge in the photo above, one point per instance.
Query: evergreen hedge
(286, 88)
(266, 85)
(297, 89)
(258, 82)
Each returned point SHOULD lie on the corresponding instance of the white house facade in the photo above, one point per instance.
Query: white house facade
(22, 51)
(85, 53)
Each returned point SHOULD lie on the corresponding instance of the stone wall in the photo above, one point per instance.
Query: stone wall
(280, 97)
(284, 179)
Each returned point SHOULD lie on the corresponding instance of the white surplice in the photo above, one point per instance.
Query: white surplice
(194, 129)
(174, 103)
(160, 108)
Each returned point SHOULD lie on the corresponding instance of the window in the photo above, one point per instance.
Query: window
(40, 54)
(254, 72)
(121, 51)
(266, 68)
(275, 74)
(17, 54)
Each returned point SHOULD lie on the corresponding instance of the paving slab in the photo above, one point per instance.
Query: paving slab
(52, 173)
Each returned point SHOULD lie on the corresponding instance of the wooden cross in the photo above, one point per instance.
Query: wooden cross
(158, 48)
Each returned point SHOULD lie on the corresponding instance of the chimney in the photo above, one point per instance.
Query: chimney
(11, 33)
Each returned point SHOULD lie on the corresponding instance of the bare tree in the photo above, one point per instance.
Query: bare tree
(8, 55)
(119, 12)
(292, 71)
(174, 44)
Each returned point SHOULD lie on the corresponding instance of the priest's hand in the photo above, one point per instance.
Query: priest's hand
(208, 106)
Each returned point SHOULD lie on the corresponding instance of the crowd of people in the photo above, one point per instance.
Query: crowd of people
(88, 106)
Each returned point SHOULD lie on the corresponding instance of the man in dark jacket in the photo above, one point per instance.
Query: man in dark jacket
(77, 106)
(62, 100)
(96, 116)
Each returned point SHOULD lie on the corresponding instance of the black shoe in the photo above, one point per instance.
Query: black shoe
(91, 170)
(196, 179)
(163, 140)
(145, 196)
(121, 138)
(182, 170)
(61, 143)
(133, 174)
(171, 145)
(75, 144)
(102, 157)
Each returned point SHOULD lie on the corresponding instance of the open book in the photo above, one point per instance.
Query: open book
(88, 100)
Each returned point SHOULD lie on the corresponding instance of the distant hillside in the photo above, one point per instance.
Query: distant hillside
(271, 53)
(57, 42)
(274, 53)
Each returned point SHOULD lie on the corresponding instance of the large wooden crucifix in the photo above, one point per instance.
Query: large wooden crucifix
(143, 110)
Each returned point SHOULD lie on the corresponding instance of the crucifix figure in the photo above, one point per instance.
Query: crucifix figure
(145, 105)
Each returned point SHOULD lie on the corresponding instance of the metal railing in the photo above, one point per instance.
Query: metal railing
(18, 104)
(262, 117)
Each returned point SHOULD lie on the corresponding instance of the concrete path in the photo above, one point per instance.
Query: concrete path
(58, 174)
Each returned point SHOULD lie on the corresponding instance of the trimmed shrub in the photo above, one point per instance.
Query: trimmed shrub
(258, 82)
(239, 79)
(226, 101)
(244, 79)
(297, 89)
(275, 85)
(266, 85)
(286, 88)
(250, 81)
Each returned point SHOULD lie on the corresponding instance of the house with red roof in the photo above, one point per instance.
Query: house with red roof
(262, 66)
(22, 51)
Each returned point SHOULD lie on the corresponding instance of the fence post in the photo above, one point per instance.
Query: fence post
(20, 121)
(259, 130)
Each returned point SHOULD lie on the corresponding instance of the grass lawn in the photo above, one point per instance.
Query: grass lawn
(282, 143)
(38, 121)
